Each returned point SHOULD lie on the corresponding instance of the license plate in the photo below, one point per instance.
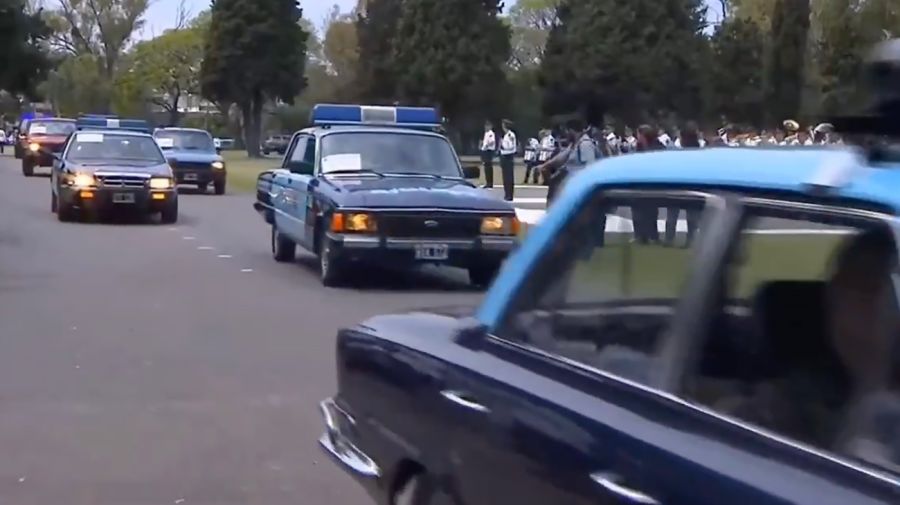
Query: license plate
(432, 252)
(123, 198)
(190, 177)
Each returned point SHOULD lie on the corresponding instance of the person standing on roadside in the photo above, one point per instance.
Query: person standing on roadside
(488, 147)
(509, 145)
(689, 138)
(644, 217)
(531, 158)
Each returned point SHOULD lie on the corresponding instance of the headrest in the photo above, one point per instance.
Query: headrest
(792, 314)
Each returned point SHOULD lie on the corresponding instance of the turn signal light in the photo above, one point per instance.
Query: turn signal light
(34, 147)
(500, 225)
(357, 222)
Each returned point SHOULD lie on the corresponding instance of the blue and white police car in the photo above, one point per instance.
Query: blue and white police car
(380, 186)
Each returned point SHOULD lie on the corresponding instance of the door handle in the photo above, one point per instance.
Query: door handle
(462, 400)
(610, 482)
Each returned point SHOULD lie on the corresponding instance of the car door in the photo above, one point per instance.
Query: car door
(290, 190)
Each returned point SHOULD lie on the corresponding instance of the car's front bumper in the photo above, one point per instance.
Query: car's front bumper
(105, 199)
(38, 159)
(199, 176)
(481, 250)
(339, 441)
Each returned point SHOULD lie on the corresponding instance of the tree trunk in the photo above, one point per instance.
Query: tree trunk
(174, 115)
(252, 116)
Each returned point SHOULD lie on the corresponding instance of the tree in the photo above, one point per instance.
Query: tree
(758, 11)
(98, 31)
(376, 27)
(635, 60)
(255, 53)
(340, 49)
(452, 54)
(23, 58)
(787, 58)
(76, 86)
(165, 69)
(531, 22)
(737, 71)
(838, 53)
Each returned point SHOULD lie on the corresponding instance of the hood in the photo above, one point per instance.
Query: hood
(88, 167)
(414, 192)
(48, 139)
(191, 156)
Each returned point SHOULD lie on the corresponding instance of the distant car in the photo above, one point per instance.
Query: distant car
(43, 137)
(698, 327)
(109, 165)
(194, 157)
(386, 192)
(276, 144)
(223, 144)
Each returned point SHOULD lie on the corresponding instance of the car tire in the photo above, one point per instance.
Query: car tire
(265, 152)
(417, 490)
(169, 214)
(331, 271)
(284, 250)
(482, 275)
(219, 187)
(27, 167)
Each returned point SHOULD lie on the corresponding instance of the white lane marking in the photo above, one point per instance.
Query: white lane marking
(204, 248)
(173, 229)
(187, 237)
(529, 200)
(224, 256)
(246, 270)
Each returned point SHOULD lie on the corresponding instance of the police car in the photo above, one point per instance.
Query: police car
(379, 185)
(110, 164)
(194, 157)
(686, 327)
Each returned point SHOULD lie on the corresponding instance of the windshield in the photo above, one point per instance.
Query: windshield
(51, 128)
(94, 146)
(385, 153)
(184, 139)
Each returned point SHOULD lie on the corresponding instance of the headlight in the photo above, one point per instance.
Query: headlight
(353, 222)
(83, 180)
(500, 226)
(34, 147)
(218, 165)
(160, 183)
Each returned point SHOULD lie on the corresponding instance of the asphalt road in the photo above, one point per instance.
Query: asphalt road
(152, 364)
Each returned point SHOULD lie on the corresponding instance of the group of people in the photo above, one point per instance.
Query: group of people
(554, 154)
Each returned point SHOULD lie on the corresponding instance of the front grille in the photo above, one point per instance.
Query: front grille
(121, 181)
(425, 226)
(190, 165)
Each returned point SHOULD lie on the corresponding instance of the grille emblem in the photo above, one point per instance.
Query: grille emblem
(431, 223)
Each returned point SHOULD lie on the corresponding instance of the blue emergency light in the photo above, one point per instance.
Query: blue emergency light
(361, 115)
(104, 122)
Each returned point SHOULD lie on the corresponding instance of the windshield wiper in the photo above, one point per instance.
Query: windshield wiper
(419, 174)
(352, 171)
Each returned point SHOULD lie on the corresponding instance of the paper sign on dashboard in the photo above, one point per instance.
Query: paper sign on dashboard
(90, 137)
(38, 130)
(164, 142)
(348, 161)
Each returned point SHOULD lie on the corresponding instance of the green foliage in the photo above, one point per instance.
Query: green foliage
(376, 31)
(737, 71)
(340, 49)
(839, 53)
(531, 22)
(255, 52)
(23, 60)
(635, 60)
(787, 59)
(163, 70)
(452, 54)
(78, 86)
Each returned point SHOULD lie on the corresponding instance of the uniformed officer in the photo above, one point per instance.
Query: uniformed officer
(509, 145)
(531, 158)
(488, 148)
(548, 149)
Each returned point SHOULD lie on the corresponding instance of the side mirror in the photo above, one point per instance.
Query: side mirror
(471, 171)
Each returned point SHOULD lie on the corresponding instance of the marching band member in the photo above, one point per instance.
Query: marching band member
(531, 158)
(508, 147)
(548, 149)
(793, 133)
(488, 148)
(822, 133)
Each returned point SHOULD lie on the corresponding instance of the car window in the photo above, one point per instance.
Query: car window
(803, 341)
(189, 140)
(604, 299)
(51, 127)
(389, 152)
(302, 155)
(96, 147)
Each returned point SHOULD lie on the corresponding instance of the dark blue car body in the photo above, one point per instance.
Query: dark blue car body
(479, 418)
(412, 211)
(200, 167)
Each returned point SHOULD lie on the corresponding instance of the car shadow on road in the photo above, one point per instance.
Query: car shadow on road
(373, 278)
(129, 218)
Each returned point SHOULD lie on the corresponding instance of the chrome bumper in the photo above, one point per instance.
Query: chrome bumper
(487, 243)
(335, 441)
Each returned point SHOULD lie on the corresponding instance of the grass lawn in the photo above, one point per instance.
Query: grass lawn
(656, 271)
(243, 170)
